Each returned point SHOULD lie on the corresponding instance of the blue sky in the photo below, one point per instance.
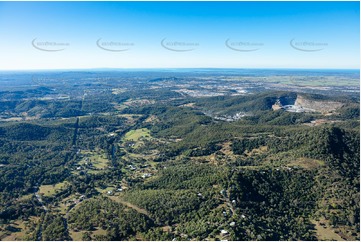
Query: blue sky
(194, 34)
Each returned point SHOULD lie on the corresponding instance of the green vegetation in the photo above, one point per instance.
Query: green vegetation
(50, 190)
(118, 221)
(106, 164)
(135, 135)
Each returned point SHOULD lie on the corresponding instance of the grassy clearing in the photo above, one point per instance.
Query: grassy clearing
(260, 150)
(76, 236)
(119, 107)
(227, 148)
(99, 161)
(326, 233)
(135, 135)
(153, 163)
(105, 190)
(97, 158)
(131, 118)
(151, 119)
(119, 199)
(100, 232)
(51, 190)
(25, 197)
(139, 156)
(307, 163)
(64, 205)
(19, 230)
(63, 208)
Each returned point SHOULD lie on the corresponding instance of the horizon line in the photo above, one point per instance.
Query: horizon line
(174, 68)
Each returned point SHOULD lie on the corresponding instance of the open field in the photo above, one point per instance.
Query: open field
(18, 230)
(307, 163)
(105, 190)
(78, 235)
(326, 233)
(51, 190)
(135, 135)
(25, 197)
(96, 158)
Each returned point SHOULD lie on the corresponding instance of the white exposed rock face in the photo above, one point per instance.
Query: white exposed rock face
(303, 104)
(320, 106)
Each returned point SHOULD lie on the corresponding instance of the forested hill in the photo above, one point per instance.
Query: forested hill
(99, 162)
